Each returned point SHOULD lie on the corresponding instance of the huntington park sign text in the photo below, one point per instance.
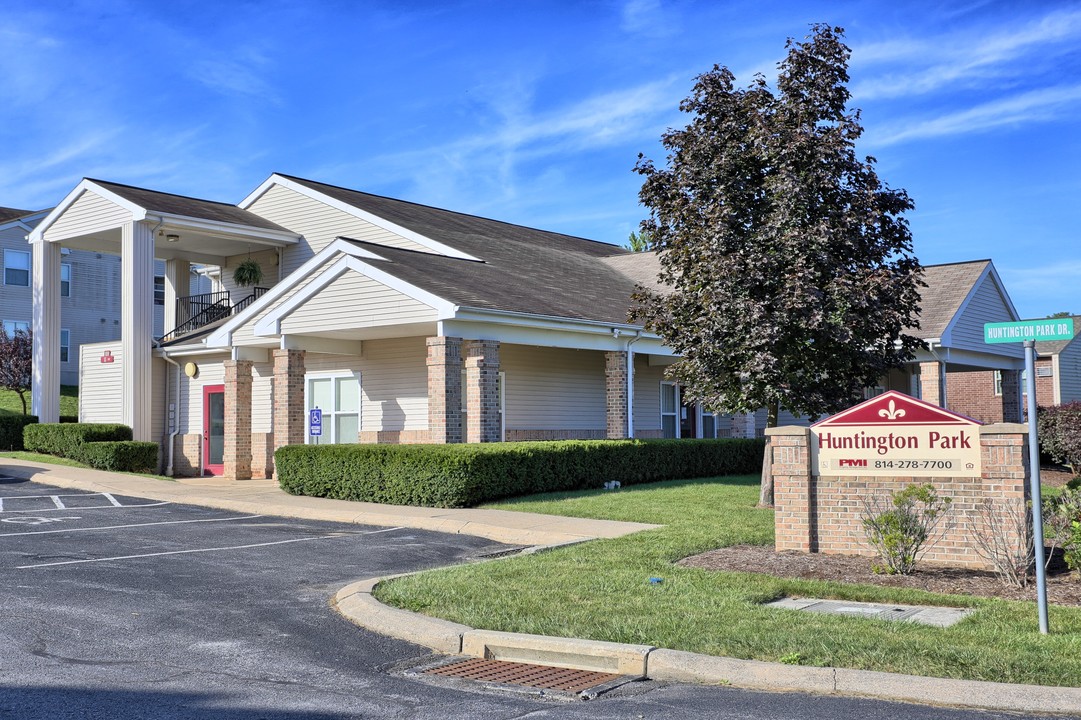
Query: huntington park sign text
(896, 434)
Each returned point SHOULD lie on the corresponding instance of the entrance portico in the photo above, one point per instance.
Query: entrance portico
(140, 226)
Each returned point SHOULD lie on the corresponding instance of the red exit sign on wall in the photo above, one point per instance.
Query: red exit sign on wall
(107, 357)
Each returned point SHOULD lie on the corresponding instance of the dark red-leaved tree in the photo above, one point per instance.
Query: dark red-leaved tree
(790, 263)
(16, 362)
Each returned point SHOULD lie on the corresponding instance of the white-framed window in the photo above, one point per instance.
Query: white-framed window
(337, 395)
(17, 268)
(65, 280)
(159, 289)
(669, 409)
(708, 424)
(65, 344)
(501, 389)
(998, 382)
(13, 326)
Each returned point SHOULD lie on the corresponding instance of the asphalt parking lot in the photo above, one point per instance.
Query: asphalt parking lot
(121, 607)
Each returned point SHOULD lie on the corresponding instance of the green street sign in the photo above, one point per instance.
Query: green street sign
(1048, 329)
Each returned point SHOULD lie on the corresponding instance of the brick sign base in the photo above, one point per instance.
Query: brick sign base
(823, 514)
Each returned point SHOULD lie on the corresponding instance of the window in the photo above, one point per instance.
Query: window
(65, 280)
(159, 289)
(709, 424)
(669, 410)
(13, 326)
(17, 268)
(338, 396)
(501, 383)
(998, 382)
(65, 339)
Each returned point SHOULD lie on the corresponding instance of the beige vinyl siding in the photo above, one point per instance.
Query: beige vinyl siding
(355, 301)
(101, 394)
(985, 305)
(553, 388)
(88, 214)
(245, 334)
(159, 371)
(262, 397)
(319, 224)
(393, 382)
(211, 372)
(647, 394)
(1069, 373)
(268, 262)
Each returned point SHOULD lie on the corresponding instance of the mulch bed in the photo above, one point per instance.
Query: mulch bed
(1063, 588)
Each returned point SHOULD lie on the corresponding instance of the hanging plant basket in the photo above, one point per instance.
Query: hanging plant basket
(248, 273)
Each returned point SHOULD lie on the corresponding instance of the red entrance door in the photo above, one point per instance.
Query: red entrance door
(213, 429)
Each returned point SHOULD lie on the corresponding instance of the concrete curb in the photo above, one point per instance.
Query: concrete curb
(356, 603)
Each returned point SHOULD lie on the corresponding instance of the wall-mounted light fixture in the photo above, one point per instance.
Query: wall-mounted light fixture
(172, 238)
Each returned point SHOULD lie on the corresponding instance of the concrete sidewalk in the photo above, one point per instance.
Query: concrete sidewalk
(266, 498)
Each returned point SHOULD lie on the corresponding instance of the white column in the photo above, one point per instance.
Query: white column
(137, 324)
(45, 383)
(177, 285)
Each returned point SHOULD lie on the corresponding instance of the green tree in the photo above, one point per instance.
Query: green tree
(790, 263)
(638, 242)
(16, 362)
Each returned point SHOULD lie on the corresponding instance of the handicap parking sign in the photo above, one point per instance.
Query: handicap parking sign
(315, 422)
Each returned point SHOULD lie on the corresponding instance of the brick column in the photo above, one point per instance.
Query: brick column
(238, 382)
(932, 383)
(615, 382)
(288, 398)
(795, 516)
(444, 390)
(482, 391)
(1011, 396)
(744, 425)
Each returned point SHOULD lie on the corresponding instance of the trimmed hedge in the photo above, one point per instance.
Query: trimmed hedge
(65, 439)
(467, 475)
(119, 456)
(11, 430)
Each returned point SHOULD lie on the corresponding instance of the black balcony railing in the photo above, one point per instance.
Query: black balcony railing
(196, 311)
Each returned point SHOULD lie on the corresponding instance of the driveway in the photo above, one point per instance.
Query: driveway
(121, 607)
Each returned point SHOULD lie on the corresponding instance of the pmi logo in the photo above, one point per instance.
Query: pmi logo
(848, 462)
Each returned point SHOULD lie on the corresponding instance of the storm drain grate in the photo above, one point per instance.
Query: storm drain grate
(535, 676)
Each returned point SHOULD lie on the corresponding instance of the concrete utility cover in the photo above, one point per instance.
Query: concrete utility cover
(925, 614)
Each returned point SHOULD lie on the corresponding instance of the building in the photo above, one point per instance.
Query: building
(400, 323)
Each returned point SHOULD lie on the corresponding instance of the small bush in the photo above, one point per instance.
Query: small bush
(467, 475)
(11, 430)
(901, 528)
(1004, 539)
(119, 456)
(1062, 522)
(64, 439)
(1059, 428)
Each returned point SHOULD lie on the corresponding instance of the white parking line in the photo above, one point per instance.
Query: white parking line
(56, 501)
(110, 498)
(59, 505)
(134, 525)
(200, 550)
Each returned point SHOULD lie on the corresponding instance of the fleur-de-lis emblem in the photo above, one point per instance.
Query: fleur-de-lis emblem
(893, 412)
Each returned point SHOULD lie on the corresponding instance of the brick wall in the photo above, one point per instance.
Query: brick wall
(444, 389)
(395, 437)
(262, 455)
(521, 435)
(824, 514)
(615, 385)
(482, 391)
(973, 394)
(237, 463)
(187, 453)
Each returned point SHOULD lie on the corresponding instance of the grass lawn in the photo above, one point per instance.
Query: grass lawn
(69, 401)
(601, 590)
(57, 460)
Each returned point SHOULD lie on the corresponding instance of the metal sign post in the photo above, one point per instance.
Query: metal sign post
(1029, 331)
(1034, 481)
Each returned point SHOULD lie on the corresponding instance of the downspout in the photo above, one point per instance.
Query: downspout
(176, 408)
(630, 383)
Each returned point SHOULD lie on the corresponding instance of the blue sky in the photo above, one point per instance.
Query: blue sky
(535, 112)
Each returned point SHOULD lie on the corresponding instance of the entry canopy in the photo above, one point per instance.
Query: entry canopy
(894, 408)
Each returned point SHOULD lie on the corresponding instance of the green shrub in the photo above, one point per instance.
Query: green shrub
(903, 526)
(64, 439)
(1059, 428)
(118, 456)
(467, 475)
(11, 430)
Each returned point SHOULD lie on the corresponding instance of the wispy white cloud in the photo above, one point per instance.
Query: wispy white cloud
(966, 56)
(243, 72)
(1034, 106)
(646, 17)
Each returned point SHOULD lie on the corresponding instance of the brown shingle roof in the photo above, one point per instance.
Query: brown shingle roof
(947, 287)
(7, 214)
(170, 204)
